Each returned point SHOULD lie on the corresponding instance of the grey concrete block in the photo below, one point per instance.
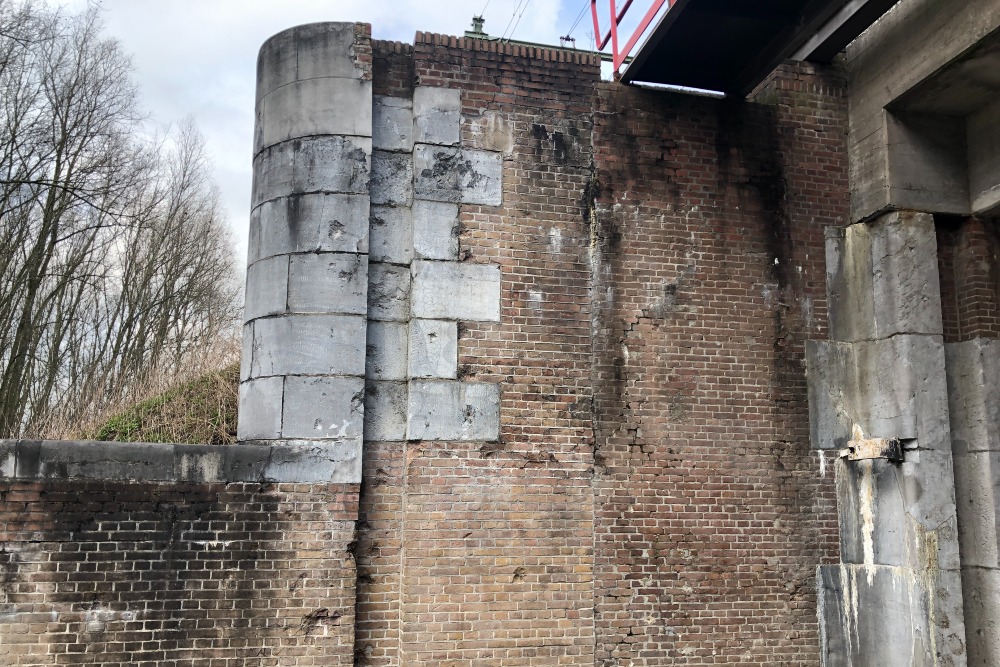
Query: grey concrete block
(8, 457)
(328, 283)
(391, 234)
(881, 615)
(131, 461)
(311, 462)
(435, 230)
(437, 115)
(392, 178)
(451, 410)
(462, 176)
(392, 124)
(312, 165)
(456, 291)
(266, 288)
(977, 490)
(872, 514)
(309, 223)
(905, 283)
(259, 416)
(246, 352)
(385, 411)
(433, 349)
(388, 292)
(309, 345)
(310, 51)
(849, 283)
(328, 408)
(386, 351)
(313, 107)
(199, 463)
(973, 369)
(982, 615)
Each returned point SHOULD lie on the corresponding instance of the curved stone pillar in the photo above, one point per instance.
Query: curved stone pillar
(304, 335)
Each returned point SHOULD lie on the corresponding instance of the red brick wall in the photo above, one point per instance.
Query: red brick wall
(711, 513)
(98, 573)
(969, 266)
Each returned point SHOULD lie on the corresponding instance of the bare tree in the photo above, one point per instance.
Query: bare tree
(114, 257)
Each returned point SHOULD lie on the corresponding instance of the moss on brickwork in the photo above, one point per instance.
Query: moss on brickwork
(202, 410)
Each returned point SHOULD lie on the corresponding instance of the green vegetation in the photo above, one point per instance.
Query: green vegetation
(202, 410)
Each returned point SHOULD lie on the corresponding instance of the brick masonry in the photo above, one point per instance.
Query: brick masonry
(650, 498)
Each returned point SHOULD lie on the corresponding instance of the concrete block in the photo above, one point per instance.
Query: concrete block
(462, 176)
(8, 458)
(313, 462)
(309, 223)
(451, 410)
(391, 235)
(312, 165)
(313, 107)
(388, 292)
(246, 352)
(328, 408)
(435, 230)
(433, 349)
(266, 289)
(977, 490)
(456, 291)
(392, 124)
(982, 615)
(973, 369)
(203, 464)
(310, 51)
(872, 514)
(392, 178)
(492, 131)
(83, 459)
(386, 351)
(849, 283)
(905, 283)
(328, 283)
(259, 416)
(309, 345)
(437, 115)
(385, 411)
(881, 615)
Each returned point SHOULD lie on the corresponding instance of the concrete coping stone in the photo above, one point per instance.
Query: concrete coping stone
(289, 462)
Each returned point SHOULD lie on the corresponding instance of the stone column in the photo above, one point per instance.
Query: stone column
(878, 403)
(303, 368)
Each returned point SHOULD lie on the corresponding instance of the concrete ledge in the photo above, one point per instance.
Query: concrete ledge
(289, 462)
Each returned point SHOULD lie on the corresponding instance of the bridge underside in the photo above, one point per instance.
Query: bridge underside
(732, 45)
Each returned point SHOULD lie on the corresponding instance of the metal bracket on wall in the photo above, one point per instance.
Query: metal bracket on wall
(873, 448)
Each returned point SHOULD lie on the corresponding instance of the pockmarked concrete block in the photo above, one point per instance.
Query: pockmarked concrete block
(433, 349)
(328, 283)
(872, 513)
(462, 176)
(982, 623)
(437, 115)
(246, 352)
(314, 107)
(973, 369)
(385, 411)
(312, 461)
(266, 288)
(309, 345)
(392, 178)
(52, 459)
(332, 164)
(309, 223)
(452, 410)
(392, 124)
(892, 388)
(849, 283)
(328, 408)
(977, 490)
(391, 235)
(456, 291)
(387, 351)
(435, 230)
(310, 51)
(260, 409)
(8, 457)
(388, 292)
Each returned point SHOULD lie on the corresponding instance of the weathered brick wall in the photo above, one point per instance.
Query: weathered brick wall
(969, 266)
(711, 511)
(116, 573)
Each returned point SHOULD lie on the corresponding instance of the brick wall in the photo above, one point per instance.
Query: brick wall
(969, 266)
(114, 573)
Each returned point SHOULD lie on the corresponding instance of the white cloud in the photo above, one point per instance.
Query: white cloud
(198, 57)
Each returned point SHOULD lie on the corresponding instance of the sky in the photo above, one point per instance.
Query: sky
(198, 57)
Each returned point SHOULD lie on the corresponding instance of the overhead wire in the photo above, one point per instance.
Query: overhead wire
(526, 3)
(579, 17)
(512, 17)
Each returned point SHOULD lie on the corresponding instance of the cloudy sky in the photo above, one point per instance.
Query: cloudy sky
(198, 57)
